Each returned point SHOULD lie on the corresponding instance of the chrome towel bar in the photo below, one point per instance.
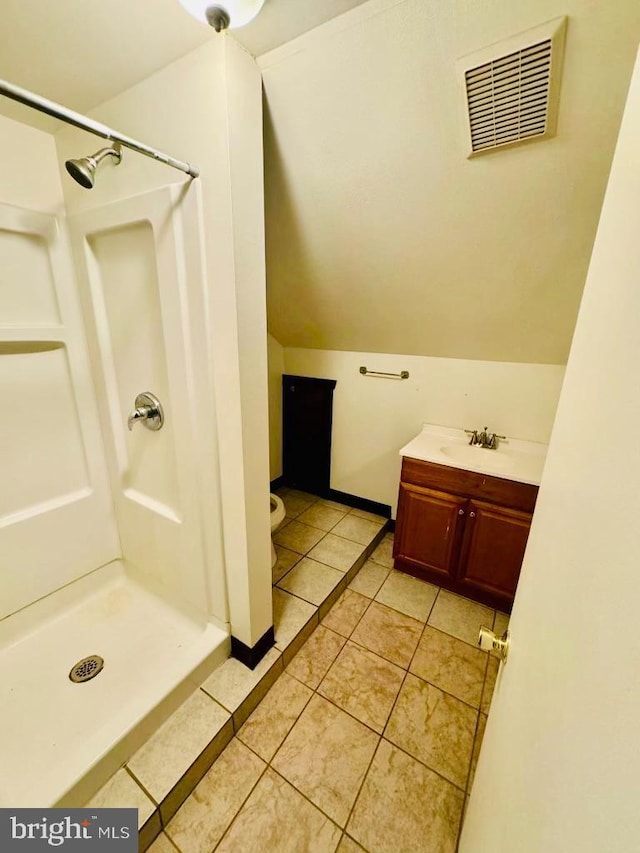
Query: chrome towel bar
(404, 374)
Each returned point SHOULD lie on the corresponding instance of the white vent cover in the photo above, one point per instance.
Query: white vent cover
(512, 88)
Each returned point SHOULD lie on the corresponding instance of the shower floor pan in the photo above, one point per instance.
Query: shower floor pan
(60, 741)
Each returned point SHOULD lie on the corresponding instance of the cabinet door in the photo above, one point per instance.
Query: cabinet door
(493, 548)
(428, 529)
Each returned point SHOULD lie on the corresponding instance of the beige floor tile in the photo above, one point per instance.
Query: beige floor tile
(290, 615)
(337, 552)
(277, 819)
(204, 818)
(435, 728)
(314, 659)
(162, 845)
(460, 617)
(321, 516)
(311, 580)
(232, 682)
(369, 579)
(272, 720)
(405, 808)
(358, 529)
(169, 753)
(348, 845)
(369, 516)
(296, 503)
(383, 553)
(286, 560)
(409, 595)
(335, 505)
(363, 684)
(298, 537)
(326, 756)
(123, 792)
(390, 634)
(477, 745)
(489, 684)
(450, 664)
(346, 613)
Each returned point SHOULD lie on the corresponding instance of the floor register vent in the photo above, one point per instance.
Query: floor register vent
(512, 89)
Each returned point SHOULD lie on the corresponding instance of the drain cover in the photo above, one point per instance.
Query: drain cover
(86, 669)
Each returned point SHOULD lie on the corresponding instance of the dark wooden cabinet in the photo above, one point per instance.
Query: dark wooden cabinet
(432, 525)
(462, 530)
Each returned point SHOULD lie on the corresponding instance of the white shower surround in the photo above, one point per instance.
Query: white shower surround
(161, 615)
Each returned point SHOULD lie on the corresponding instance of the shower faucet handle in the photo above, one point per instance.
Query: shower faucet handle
(148, 409)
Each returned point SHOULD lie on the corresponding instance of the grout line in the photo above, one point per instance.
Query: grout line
(169, 839)
(242, 805)
(361, 786)
(430, 769)
(140, 785)
(305, 797)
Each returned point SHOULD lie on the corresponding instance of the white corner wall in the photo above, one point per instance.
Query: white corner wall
(276, 369)
(29, 174)
(197, 109)
(373, 418)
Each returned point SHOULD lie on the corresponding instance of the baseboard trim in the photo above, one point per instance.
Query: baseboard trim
(251, 656)
(391, 525)
(276, 484)
(360, 503)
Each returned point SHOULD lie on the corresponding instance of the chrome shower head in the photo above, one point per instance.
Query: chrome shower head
(83, 170)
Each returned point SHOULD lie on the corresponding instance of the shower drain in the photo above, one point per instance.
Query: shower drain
(86, 669)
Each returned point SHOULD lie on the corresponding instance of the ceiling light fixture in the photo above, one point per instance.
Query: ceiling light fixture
(227, 14)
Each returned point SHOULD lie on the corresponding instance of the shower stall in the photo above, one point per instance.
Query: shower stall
(123, 570)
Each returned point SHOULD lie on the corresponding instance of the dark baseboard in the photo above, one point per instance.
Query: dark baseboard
(391, 525)
(251, 656)
(360, 503)
(345, 498)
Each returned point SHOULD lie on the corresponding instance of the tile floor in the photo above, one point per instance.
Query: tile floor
(368, 740)
(359, 731)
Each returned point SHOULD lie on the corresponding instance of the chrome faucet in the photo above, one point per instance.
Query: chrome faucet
(488, 440)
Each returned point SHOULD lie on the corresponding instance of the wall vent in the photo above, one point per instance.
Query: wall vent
(512, 89)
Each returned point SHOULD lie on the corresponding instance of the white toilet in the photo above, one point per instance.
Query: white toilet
(277, 517)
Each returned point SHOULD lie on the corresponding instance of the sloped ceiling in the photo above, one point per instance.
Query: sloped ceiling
(381, 235)
(83, 53)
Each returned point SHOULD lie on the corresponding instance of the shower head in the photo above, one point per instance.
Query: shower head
(84, 169)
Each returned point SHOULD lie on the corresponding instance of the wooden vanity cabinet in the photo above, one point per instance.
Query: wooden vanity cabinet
(464, 531)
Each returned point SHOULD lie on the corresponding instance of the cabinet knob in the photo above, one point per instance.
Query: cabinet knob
(460, 512)
(472, 515)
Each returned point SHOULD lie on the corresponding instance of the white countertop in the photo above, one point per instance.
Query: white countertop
(513, 459)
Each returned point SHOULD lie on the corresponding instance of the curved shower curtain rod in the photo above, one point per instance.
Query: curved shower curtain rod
(30, 99)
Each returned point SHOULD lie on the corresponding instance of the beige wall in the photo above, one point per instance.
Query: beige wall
(29, 168)
(206, 108)
(276, 369)
(381, 235)
(374, 418)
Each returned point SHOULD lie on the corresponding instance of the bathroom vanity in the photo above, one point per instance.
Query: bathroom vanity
(464, 512)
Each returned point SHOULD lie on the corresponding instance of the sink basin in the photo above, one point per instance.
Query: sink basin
(466, 455)
(513, 459)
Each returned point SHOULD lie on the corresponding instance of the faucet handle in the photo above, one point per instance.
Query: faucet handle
(492, 440)
(474, 435)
